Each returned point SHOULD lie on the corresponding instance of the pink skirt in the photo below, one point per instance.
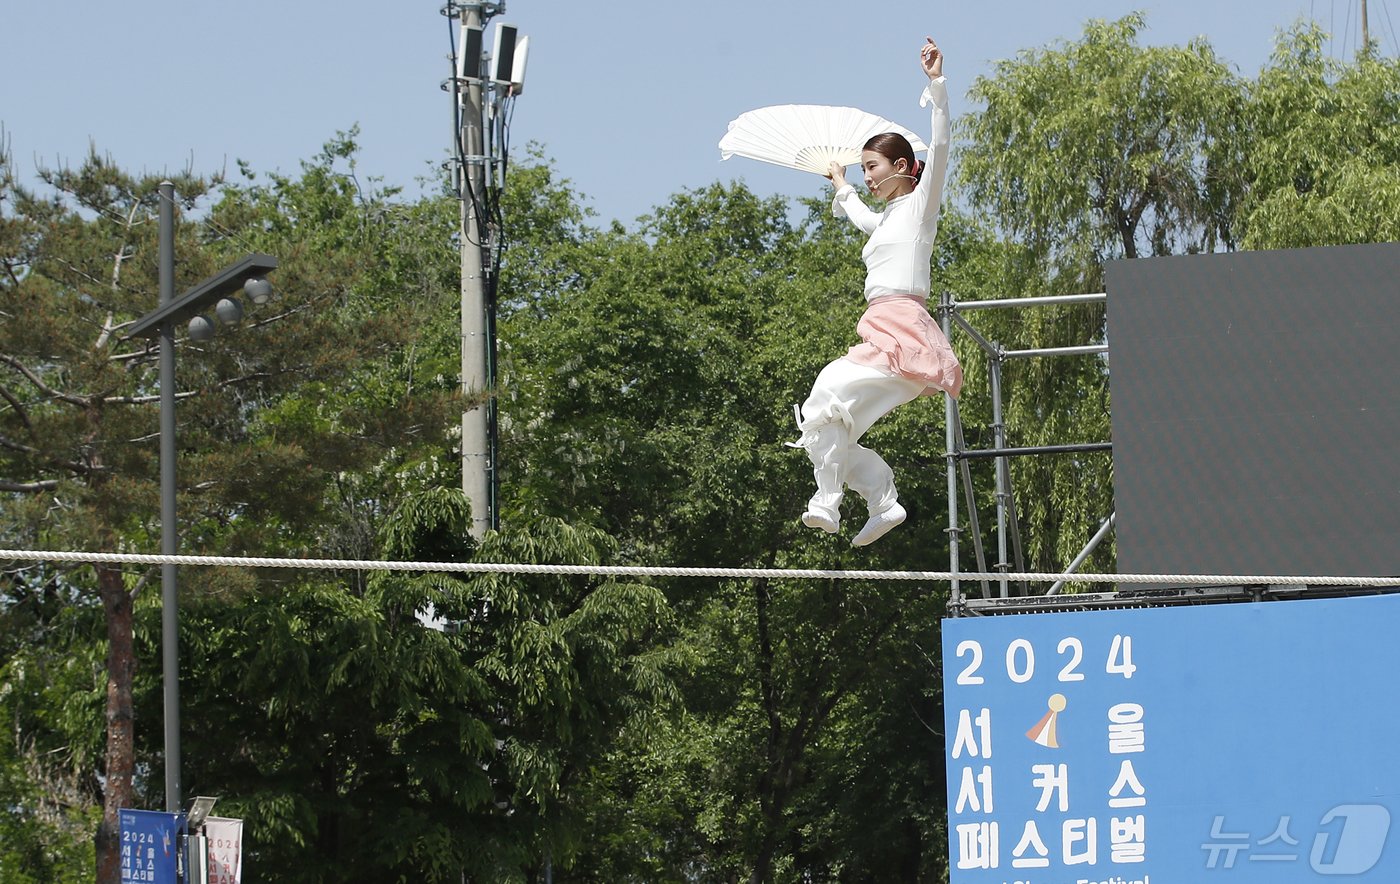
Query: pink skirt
(898, 336)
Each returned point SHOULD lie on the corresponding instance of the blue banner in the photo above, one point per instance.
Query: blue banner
(150, 842)
(1240, 744)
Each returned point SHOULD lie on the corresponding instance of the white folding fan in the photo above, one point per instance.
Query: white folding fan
(806, 137)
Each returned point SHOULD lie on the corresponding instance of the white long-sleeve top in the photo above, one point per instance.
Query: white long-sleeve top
(900, 249)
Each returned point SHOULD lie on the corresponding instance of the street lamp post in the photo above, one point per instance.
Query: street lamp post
(246, 274)
(169, 540)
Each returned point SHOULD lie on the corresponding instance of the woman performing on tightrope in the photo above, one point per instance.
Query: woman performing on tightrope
(903, 353)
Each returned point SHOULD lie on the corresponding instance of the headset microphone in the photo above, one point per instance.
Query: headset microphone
(895, 175)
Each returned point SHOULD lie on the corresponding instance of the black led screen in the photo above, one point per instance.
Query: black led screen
(1256, 412)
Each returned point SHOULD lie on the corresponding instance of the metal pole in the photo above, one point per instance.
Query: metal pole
(945, 311)
(974, 526)
(1084, 554)
(999, 431)
(975, 454)
(987, 346)
(1086, 350)
(476, 459)
(169, 541)
(1038, 301)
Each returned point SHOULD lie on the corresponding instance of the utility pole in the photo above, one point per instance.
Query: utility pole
(1365, 31)
(482, 94)
(477, 467)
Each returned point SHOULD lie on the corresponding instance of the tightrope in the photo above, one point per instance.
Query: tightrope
(27, 555)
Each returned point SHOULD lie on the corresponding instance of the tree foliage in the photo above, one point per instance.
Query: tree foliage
(1323, 152)
(1103, 148)
(363, 746)
(78, 431)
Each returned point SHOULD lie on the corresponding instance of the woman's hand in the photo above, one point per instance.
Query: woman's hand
(837, 174)
(931, 57)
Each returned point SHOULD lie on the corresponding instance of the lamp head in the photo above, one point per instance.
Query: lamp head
(201, 329)
(259, 291)
(199, 811)
(229, 311)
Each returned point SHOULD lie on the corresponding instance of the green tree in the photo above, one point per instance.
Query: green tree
(261, 456)
(319, 707)
(1322, 149)
(1103, 148)
(72, 402)
(362, 745)
(51, 694)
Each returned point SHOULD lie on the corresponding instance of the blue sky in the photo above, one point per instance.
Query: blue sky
(628, 97)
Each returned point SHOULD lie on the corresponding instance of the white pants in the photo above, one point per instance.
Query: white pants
(847, 398)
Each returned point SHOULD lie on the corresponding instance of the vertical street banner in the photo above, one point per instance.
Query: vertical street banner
(1241, 744)
(150, 844)
(225, 837)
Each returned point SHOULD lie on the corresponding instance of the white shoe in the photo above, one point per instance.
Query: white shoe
(818, 516)
(878, 525)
